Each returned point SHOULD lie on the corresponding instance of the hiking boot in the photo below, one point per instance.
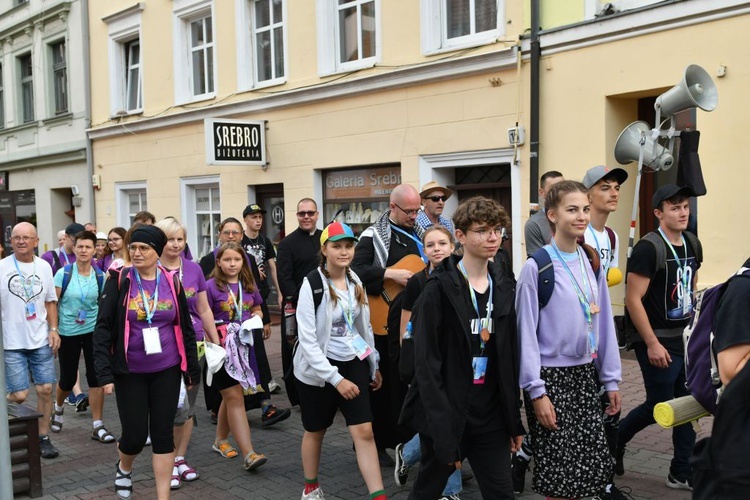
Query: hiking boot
(518, 467)
(47, 449)
(619, 467)
(273, 415)
(401, 471)
(615, 493)
(679, 482)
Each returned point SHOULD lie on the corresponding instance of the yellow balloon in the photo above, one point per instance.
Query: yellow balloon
(614, 276)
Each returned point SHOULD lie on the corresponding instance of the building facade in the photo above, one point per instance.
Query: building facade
(44, 174)
(200, 107)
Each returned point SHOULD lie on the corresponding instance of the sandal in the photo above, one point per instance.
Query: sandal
(102, 435)
(186, 472)
(123, 488)
(55, 423)
(225, 449)
(175, 483)
(254, 460)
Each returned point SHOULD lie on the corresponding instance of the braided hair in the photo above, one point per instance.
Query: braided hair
(359, 291)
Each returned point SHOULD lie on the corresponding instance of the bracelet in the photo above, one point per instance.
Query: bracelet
(539, 397)
(53, 329)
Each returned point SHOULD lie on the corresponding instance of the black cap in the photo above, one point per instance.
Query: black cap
(150, 235)
(252, 209)
(74, 229)
(668, 191)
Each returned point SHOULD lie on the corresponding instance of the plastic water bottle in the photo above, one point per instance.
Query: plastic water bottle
(407, 334)
(290, 323)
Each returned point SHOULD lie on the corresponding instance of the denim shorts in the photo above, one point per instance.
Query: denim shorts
(18, 363)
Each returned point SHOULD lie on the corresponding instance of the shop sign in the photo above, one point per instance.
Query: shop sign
(362, 183)
(235, 142)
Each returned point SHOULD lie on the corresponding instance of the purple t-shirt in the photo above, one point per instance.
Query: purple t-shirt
(222, 304)
(49, 258)
(163, 319)
(193, 283)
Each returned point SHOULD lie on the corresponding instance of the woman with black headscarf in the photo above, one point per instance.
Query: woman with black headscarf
(143, 343)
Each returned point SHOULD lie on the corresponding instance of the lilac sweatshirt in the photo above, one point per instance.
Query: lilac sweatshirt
(557, 336)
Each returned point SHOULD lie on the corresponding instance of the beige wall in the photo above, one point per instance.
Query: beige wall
(589, 95)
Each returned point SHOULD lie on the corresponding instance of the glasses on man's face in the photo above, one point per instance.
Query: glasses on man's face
(436, 199)
(484, 234)
(25, 239)
(144, 249)
(409, 213)
(306, 213)
(113, 240)
(231, 232)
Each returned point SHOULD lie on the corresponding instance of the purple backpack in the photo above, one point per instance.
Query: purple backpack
(701, 365)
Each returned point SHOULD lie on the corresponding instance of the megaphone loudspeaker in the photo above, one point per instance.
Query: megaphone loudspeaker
(628, 148)
(695, 90)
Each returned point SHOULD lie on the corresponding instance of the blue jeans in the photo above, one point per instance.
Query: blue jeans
(18, 362)
(413, 453)
(662, 384)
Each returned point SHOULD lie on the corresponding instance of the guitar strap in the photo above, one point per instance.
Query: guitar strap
(420, 245)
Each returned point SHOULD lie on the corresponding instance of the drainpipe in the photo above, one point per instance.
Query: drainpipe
(536, 53)
(89, 190)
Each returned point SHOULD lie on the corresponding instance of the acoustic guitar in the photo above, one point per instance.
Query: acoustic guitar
(379, 304)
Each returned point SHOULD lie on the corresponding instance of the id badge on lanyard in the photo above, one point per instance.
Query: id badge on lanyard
(360, 347)
(151, 340)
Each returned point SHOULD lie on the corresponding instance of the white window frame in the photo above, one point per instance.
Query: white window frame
(185, 12)
(247, 63)
(188, 187)
(124, 27)
(123, 190)
(328, 40)
(434, 37)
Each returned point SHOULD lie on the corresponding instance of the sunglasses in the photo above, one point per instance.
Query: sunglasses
(437, 198)
(307, 213)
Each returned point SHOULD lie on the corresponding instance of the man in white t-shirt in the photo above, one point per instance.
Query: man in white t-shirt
(29, 316)
(604, 192)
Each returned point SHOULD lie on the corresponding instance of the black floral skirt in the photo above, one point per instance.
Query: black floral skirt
(574, 460)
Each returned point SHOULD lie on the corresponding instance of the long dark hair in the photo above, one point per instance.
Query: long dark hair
(119, 231)
(247, 282)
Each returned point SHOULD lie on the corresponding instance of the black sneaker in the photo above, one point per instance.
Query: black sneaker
(401, 471)
(615, 493)
(619, 467)
(679, 483)
(518, 467)
(273, 415)
(47, 449)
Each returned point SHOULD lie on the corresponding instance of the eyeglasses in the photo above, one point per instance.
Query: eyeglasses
(306, 213)
(230, 232)
(113, 240)
(25, 239)
(436, 198)
(409, 213)
(144, 249)
(484, 234)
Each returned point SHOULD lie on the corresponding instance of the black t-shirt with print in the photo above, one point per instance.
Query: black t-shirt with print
(261, 250)
(663, 300)
(484, 407)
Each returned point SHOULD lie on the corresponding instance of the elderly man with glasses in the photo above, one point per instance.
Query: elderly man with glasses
(434, 197)
(378, 258)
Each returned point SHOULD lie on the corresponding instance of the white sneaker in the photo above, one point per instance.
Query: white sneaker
(316, 494)
(274, 387)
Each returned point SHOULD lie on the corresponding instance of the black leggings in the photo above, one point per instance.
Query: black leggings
(70, 353)
(148, 402)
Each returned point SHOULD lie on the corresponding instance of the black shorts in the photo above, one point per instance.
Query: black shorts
(221, 379)
(319, 404)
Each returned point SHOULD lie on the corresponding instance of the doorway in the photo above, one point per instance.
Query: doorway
(270, 197)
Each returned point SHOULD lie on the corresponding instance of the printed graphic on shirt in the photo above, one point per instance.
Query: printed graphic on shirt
(678, 285)
(258, 251)
(190, 291)
(338, 327)
(136, 304)
(26, 288)
(228, 306)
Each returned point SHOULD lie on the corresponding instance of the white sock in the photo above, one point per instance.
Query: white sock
(97, 423)
(178, 458)
(58, 408)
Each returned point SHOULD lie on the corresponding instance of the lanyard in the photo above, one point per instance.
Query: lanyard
(237, 304)
(599, 250)
(347, 313)
(476, 304)
(180, 259)
(28, 287)
(582, 293)
(148, 310)
(65, 255)
(420, 245)
(80, 285)
(683, 268)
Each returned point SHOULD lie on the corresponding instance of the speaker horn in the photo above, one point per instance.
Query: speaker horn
(695, 90)
(628, 148)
